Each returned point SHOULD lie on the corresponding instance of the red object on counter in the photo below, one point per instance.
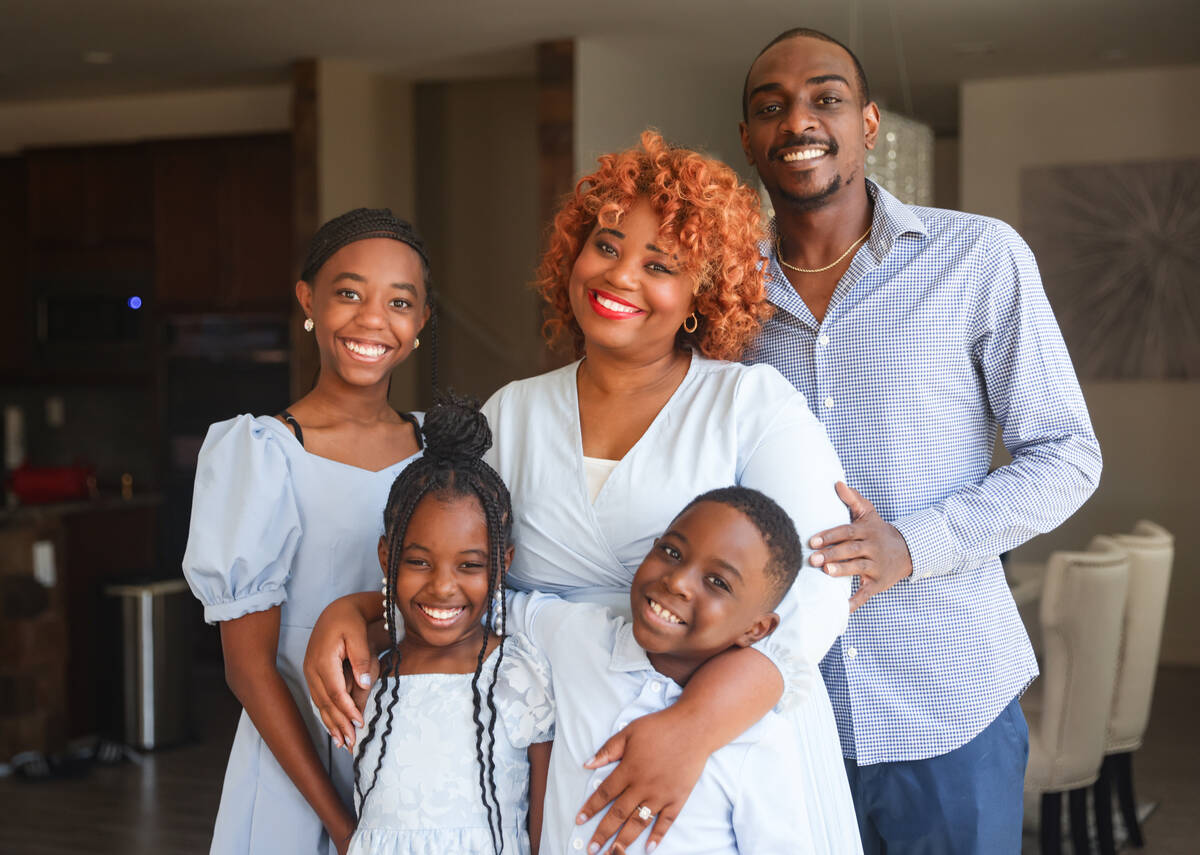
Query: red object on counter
(37, 485)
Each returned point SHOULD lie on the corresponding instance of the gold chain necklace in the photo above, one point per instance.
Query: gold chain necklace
(834, 263)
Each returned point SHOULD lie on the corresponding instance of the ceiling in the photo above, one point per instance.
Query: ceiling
(170, 44)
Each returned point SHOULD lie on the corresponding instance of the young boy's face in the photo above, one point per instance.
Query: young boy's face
(702, 589)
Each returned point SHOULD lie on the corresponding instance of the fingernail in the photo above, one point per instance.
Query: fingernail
(364, 679)
(581, 819)
(337, 741)
(593, 848)
(831, 569)
(650, 847)
(357, 723)
(816, 541)
(590, 760)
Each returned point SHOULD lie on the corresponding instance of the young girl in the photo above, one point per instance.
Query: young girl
(435, 772)
(285, 513)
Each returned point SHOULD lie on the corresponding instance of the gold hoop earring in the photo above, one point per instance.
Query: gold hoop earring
(308, 325)
(416, 343)
(695, 323)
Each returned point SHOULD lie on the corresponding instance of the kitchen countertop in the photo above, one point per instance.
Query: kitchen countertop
(52, 510)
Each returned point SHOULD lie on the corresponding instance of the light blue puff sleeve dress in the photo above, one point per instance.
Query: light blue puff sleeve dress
(727, 423)
(273, 525)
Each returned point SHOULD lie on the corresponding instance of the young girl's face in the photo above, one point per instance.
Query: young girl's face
(442, 577)
(367, 304)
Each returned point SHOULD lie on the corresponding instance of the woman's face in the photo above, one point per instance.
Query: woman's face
(367, 304)
(627, 292)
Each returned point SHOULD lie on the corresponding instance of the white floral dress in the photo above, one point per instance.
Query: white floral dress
(426, 799)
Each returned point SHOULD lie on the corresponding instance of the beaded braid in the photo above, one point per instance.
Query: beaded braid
(775, 526)
(456, 437)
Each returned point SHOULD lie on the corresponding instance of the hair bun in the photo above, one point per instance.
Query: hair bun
(455, 430)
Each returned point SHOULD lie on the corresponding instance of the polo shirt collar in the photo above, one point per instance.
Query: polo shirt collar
(627, 654)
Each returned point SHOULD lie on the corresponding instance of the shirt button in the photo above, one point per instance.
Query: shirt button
(595, 784)
(657, 685)
(576, 843)
(823, 339)
(851, 652)
(829, 403)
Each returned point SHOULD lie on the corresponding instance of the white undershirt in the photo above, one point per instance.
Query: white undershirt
(597, 470)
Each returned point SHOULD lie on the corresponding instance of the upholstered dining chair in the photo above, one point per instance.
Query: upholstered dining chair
(1151, 551)
(1081, 611)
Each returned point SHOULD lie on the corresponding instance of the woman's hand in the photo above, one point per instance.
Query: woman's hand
(660, 756)
(340, 639)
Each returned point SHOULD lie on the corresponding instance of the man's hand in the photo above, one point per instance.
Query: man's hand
(868, 547)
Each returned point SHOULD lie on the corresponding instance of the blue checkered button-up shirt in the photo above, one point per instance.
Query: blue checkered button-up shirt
(938, 333)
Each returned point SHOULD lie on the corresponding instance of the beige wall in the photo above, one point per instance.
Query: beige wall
(625, 85)
(365, 158)
(477, 206)
(1146, 429)
(207, 112)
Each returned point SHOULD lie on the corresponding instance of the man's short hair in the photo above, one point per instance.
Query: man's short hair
(864, 88)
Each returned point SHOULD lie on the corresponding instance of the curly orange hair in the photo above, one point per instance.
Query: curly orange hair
(705, 211)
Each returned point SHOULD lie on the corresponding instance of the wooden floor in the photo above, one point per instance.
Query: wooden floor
(166, 805)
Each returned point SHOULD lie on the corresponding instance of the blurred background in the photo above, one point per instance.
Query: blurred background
(163, 163)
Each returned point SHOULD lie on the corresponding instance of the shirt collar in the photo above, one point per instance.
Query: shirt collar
(627, 654)
(891, 219)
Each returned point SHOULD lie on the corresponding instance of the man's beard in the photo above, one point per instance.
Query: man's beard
(810, 201)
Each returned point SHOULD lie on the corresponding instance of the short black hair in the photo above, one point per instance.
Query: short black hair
(864, 88)
(777, 530)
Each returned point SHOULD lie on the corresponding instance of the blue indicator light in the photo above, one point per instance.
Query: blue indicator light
(134, 302)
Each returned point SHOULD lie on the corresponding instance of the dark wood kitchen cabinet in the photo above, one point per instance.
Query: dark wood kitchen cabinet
(222, 214)
(16, 322)
(90, 209)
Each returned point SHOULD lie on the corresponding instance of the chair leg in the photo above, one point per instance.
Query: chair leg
(1122, 773)
(1080, 842)
(1102, 797)
(1051, 830)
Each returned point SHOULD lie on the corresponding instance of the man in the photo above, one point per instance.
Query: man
(914, 333)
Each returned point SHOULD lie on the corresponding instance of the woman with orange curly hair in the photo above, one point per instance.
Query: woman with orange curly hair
(653, 276)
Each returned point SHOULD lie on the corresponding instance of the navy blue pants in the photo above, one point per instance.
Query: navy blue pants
(966, 802)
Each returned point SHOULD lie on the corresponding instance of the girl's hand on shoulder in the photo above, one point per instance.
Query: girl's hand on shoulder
(661, 757)
(338, 639)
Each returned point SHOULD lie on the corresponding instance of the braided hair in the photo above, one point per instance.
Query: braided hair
(456, 437)
(365, 224)
(777, 530)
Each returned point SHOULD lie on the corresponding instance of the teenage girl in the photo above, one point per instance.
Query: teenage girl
(284, 518)
(434, 770)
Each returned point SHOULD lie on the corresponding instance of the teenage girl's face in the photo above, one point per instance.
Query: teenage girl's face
(702, 589)
(368, 304)
(628, 293)
(442, 577)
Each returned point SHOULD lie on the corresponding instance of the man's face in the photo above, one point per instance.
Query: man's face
(806, 131)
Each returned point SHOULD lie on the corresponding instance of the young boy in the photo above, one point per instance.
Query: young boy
(710, 582)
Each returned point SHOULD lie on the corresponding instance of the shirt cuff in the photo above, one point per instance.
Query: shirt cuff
(930, 543)
(232, 609)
